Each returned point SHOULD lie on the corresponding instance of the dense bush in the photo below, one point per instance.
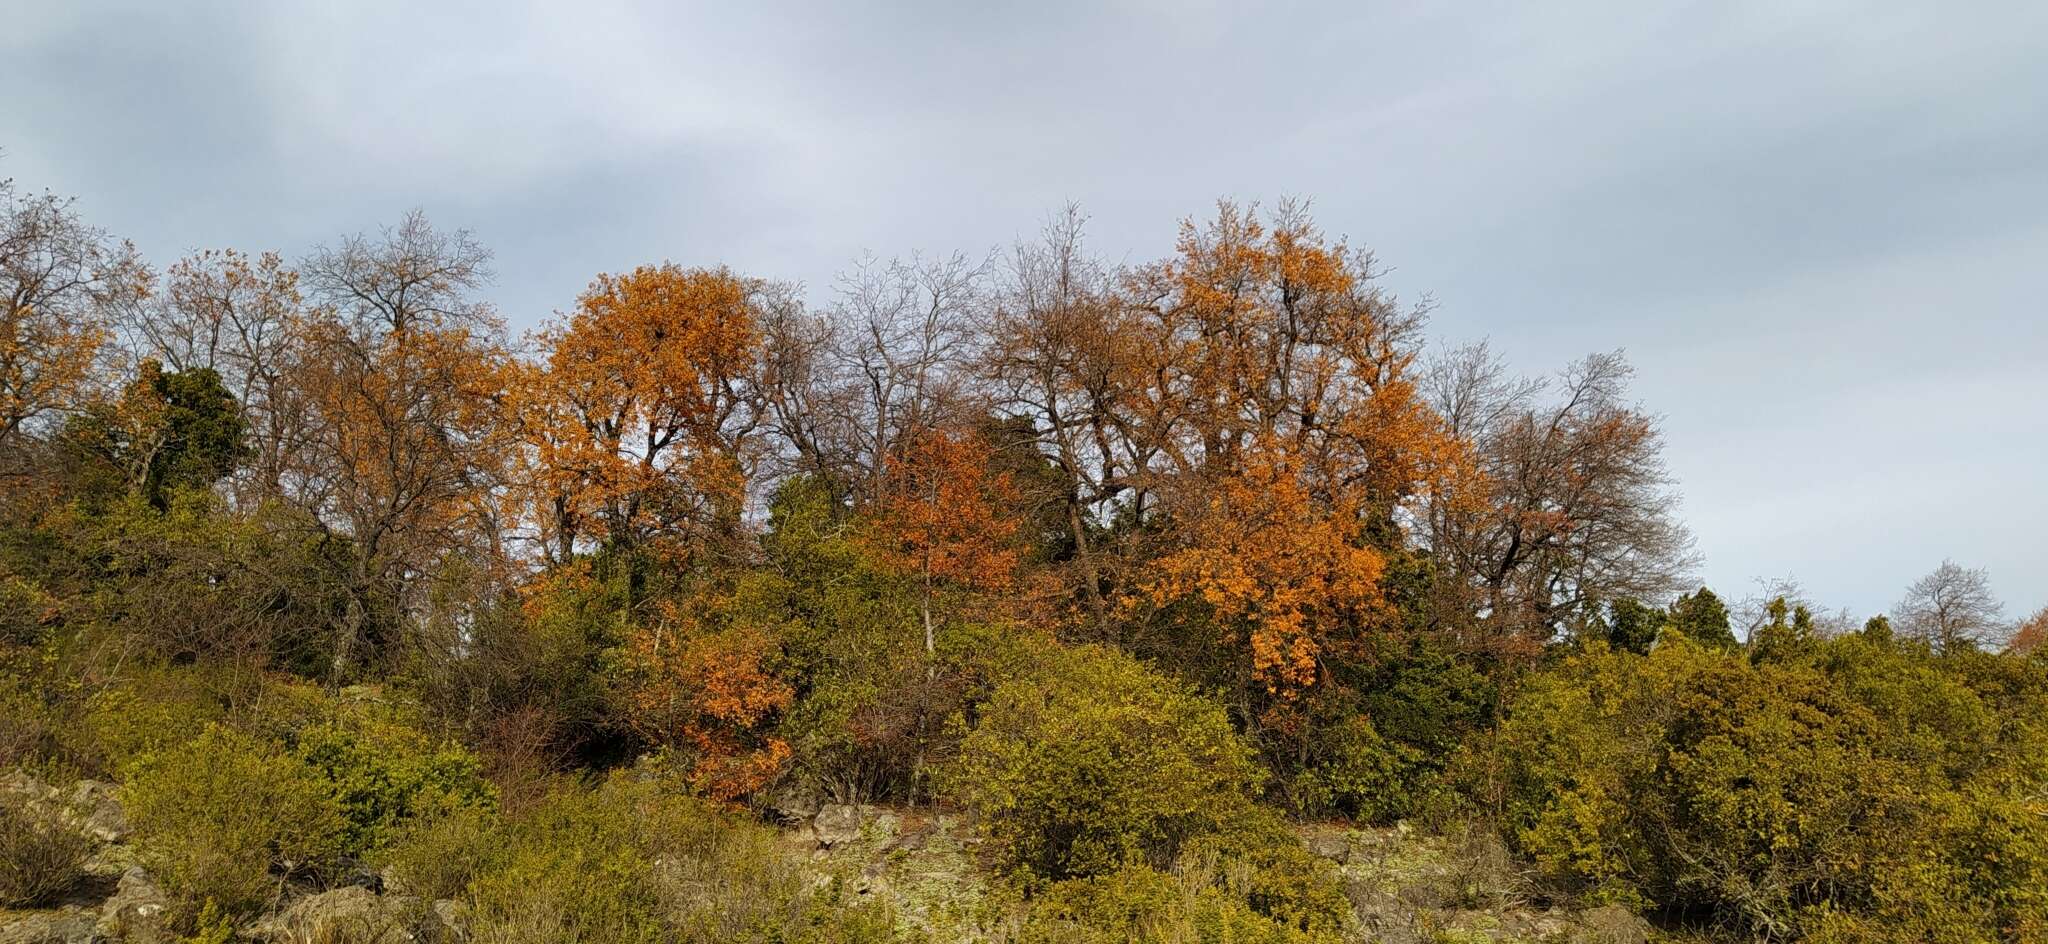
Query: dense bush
(385, 774)
(1097, 762)
(633, 860)
(1845, 789)
(220, 818)
(39, 857)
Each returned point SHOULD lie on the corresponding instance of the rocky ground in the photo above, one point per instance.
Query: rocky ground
(1408, 888)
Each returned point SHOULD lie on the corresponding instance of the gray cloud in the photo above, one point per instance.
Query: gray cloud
(1818, 228)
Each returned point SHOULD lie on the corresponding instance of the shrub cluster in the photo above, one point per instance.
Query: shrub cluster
(1851, 789)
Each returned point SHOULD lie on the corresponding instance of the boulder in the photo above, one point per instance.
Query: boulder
(1332, 846)
(96, 809)
(136, 911)
(1611, 924)
(836, 825)
(350, 913)
(69, 926)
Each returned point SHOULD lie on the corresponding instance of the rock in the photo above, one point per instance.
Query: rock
(793, 805)
(135, 912)
(454, 918)
(97, 810)
(70, 926)
(1611, 924)
(836, 824)
(1331, 846)
(350, 913)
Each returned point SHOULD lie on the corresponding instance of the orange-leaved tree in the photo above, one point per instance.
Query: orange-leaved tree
(710, 690)
(641, 418)
(1276, 385)
(943, 514)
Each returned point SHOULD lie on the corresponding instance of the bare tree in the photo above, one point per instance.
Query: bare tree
(238, 316)
(1952, 609)
(1571, 506)
(409, 276)
(60, 283)
(904, 338)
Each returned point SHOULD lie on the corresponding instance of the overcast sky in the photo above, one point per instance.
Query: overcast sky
(1820, 230)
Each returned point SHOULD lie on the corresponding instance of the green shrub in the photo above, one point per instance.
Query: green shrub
(1845, 789)
(220, 817)
(637, 860)
(1138, 903)
(438, 855)
(40, 859)
(155, 710)
(384, 774)
(1096, 762)
(1360, 774)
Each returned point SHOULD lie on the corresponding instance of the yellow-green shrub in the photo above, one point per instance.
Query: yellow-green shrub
(384, 774)
(1843, 789)
(40, 858)
(219, 817)
(636, 860)
(1097, 761)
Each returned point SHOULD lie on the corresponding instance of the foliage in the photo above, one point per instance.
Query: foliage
(40, 858)
(384, 774)
(221, 817)
(1816, 788)
(633, 860)
(1096, 762)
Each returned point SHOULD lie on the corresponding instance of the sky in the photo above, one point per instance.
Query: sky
(1819, 230)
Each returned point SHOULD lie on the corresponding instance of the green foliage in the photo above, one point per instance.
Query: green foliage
(384, 774)
(155, 710)
(1701, 617)
(1377, 746)
(1632, 626)
(1095, 762)
(221, 817)
(634, 860)
(1835, 788)
(40, 858)
(1137, 903)
(437, 855)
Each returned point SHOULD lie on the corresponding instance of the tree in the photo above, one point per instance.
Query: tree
(400, 461)
(2029, 634)
(60, 280)
(941, 515)
(1952, 609)
(238, 316)
(1632, 626)
(176, 430)
(1574, 505)
(1701, 617)
(643, 416)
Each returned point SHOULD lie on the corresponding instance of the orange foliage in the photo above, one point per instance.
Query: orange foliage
(1268, 556)
(712, 692)
(2031, 633)
(944, 514)
(637, 419)
(1279, 388)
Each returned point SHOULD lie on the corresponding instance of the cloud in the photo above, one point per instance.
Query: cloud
(1815, 225)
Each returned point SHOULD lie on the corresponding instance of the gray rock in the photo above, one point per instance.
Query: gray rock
(70, 926)
(453, 916)
(836, 824)
(1611, 924)
(351, 913)
(1331, 846)
(96, 809)
(136, 911)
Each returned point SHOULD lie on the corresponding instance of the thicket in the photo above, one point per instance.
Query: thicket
(1131, 564)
